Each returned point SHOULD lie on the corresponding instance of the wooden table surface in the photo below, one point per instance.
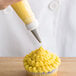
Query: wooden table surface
(13, 66)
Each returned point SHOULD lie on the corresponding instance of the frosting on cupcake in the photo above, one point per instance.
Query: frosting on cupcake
(40, 61)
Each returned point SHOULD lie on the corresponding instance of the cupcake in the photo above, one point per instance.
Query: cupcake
(41, 63)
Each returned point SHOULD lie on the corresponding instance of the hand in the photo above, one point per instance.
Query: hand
(5, 3)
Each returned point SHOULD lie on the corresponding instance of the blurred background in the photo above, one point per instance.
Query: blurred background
(57, 28)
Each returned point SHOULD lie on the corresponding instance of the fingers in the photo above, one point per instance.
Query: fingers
(13, 1)
(3, 7)
(5, 3)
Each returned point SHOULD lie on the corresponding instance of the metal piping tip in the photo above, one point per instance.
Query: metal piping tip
(35, 33)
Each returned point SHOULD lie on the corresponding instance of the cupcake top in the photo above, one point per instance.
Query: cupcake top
(40, 61)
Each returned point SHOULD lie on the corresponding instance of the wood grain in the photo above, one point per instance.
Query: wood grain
(13, 66)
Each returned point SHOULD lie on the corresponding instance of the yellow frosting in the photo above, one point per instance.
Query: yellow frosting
(40, 61)
(23, 9)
